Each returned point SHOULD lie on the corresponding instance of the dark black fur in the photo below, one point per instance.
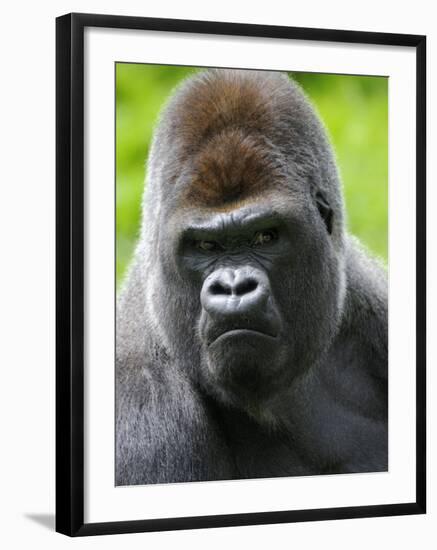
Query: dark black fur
(307, 393)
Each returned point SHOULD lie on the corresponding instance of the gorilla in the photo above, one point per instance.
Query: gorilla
(251, 333)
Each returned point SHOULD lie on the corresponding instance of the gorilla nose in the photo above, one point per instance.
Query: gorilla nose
(230, 291)
(233, 287)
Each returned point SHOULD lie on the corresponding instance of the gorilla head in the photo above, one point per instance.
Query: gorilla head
(242, 248)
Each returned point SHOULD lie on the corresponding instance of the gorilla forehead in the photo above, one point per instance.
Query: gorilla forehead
(232, 167)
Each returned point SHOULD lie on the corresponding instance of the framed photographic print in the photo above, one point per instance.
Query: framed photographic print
(240, 274)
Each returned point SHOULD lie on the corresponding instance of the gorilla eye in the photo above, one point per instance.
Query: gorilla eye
(207, 246)
(264, 237)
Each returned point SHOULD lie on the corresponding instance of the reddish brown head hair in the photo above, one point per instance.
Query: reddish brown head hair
(232, 136)
(225, 127)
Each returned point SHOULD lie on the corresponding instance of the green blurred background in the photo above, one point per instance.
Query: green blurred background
(353, 108)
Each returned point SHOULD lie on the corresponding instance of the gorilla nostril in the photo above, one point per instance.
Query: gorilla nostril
(219, 288)
(246, 286)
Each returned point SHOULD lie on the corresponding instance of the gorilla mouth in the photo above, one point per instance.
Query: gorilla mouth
(235, 332)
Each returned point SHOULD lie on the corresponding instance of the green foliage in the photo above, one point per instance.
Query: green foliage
(353, 108)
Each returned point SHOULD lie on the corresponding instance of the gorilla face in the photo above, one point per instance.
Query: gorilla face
(260, 293)
(250, 238)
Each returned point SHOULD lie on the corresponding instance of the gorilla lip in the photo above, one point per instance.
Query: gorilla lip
(242, 332)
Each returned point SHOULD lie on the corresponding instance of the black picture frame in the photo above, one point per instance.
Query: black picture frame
(70, 273)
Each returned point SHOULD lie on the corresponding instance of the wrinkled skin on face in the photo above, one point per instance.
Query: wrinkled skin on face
(250, 320)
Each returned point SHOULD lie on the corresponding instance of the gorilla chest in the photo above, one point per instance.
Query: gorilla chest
(257, 452)
(269, 458)
(323, 439)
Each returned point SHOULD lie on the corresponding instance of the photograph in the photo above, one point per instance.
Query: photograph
(240, 306)
(251, 252)
(218, 276)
